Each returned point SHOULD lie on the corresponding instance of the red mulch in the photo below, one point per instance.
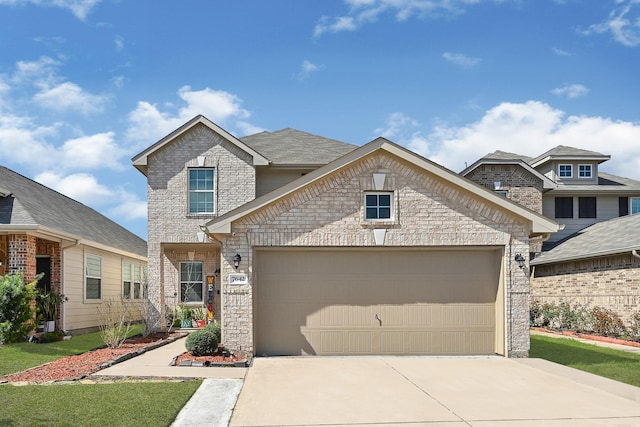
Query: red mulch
(74, 367)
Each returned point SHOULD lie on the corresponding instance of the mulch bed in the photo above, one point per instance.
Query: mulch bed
(218, 359)
(589, 337)
(82, 365)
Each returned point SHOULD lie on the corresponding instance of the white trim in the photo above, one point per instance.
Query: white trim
(590, 171)
(570, 170)
(87, 276)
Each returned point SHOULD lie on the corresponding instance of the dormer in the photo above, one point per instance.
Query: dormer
(570, 166)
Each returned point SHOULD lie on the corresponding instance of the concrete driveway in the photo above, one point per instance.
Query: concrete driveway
(431, 391)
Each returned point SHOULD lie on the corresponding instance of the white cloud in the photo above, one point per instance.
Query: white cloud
(623, 23)
(307, 69)
(118, 42)
(42, 71)
(70, 96)
(460, 59)
(362, 12)
(571, 91)
(92, 152)
(80, 8)
(560, 52)
(148, 123)
(24, 142)
(530, 129)
(81, 187)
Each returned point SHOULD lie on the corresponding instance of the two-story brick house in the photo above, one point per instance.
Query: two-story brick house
(322, 247)
(590, 261)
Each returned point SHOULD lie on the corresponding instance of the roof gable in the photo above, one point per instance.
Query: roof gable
(140, 160)
(32, 206)
(563, 152)
(222, 224)
(487, 160)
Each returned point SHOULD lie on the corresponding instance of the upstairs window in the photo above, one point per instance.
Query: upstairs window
(201, 191)
(378, 206)
(585, 171)
(565, 171)
(564, 207)
(586, 207)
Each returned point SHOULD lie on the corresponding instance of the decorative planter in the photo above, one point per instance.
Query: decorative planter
(49, 326)
(185, 324)
(201, 323)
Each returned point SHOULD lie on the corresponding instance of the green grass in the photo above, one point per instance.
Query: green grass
(20, 356)
(617, 365)
(118, 404)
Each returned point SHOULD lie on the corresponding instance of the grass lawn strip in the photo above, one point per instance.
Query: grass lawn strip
(118, 404)
(20, 356)
(614, 364)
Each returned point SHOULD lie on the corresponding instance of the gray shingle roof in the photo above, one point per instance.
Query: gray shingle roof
(569, 152)
(31, 204)
(618, 235)
(294, 147)
(503, 155)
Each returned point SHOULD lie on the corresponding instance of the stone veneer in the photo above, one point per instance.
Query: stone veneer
(430, 212)
(172, 231)
(611, 282)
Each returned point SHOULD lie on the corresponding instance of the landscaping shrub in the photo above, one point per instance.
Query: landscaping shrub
(202, 342)
(16, 312)
(635, 325)
(607, 322)
(215, 327)
(115, 321)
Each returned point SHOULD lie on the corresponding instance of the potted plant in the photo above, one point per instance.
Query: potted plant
(198, 317)
(185, 316)
(48, 305)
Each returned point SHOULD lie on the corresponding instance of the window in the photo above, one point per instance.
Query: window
(136, 281)
(126, 280)
(564, 207)
(503, 193)
(584, 171)
(93, 277)
(623, 206)
(565, 171)
(586, 207)
(634, 205)
(191, 283)
(201, 191)
(378, 206)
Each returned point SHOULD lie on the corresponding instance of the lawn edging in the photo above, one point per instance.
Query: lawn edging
(610, 340)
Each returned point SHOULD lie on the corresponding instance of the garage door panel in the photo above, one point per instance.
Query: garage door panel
(425, 303)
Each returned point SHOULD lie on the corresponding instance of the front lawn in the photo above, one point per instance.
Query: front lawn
(119, 404)
(617, 365)
(20, 356)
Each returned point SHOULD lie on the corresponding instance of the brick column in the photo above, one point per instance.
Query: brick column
(22, 255)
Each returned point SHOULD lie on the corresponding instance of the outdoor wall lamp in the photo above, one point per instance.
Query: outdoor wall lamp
(520, 260)
(236, 260)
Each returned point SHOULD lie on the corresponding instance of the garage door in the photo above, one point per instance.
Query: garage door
(332, 302)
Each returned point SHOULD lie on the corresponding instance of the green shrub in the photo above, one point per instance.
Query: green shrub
(635, 325)
(202, 342)
(607, 322)
(215, 327)
(16, 313)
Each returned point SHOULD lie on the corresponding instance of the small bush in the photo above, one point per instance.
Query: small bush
(607, 322)
(16, 313)
(202, 342)
(635, 325)
(215, 327)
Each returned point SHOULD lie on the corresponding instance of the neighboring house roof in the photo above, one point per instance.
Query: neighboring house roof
(140, 160)
(615, 236)
(502, 158)
(32, 207)
(562, 152)
(290, 147)
(222, 224)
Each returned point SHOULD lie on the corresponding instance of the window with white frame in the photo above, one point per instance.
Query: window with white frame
(126, 280)
(136, 281)
(565, 171)
(634, 205)
(93, 277)
(201, 190)
(585, 171)
(191, 282)
(378, 206)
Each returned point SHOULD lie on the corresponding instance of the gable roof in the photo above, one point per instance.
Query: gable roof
(290, 147)
(563, 152)
(140, 159)
(502, 158)
(222, 224)
(615, 236)
(32, 207)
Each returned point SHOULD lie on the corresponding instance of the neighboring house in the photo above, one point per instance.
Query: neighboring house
(321, 247)
(590, 259)
(599, 266)
(82, 254)
(564, 184)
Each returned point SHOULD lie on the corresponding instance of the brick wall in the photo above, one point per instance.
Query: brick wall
(612, 282)
(430, 212)
(169, 224)
(22, 255)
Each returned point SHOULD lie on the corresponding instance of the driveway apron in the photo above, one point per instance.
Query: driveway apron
(432, 391)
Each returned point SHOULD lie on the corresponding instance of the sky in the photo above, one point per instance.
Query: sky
(87, 84)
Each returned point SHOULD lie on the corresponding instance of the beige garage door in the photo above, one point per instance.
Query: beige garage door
(331, 302)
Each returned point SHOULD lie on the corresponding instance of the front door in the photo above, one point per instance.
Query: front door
(43, 265)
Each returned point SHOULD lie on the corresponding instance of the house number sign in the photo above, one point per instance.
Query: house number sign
(238, 279)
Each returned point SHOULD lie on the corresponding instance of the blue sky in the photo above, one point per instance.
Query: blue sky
(87, 84)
